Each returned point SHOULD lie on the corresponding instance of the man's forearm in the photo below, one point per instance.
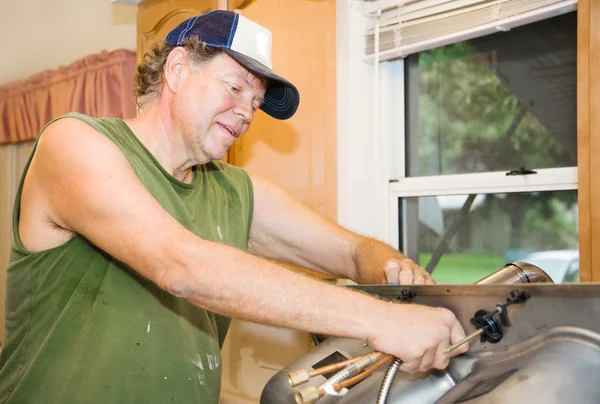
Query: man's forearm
(240, 285)
(233, 283)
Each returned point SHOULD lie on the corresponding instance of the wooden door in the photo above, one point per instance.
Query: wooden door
(157, 17)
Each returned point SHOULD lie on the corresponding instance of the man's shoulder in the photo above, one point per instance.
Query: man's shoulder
(74, 132)
(72, 121)
(86, 128)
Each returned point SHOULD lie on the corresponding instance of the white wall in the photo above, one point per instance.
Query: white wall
(358, 164)
(370, 117)
(45, 34)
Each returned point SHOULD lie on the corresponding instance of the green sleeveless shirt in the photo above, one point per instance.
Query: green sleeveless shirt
(82, 327)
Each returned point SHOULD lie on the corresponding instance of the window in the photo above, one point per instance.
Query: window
(463, 238)
(491, 132)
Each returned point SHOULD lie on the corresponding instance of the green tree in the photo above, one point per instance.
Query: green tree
(470, 121)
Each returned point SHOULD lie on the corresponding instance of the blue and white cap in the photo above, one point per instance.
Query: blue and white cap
(250, 45)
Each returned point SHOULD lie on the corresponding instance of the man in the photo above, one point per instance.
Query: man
(130, 237)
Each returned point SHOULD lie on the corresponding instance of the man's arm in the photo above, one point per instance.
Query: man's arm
(88, 187)
(285, 230)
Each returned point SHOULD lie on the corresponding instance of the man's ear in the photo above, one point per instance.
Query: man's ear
(174, 68)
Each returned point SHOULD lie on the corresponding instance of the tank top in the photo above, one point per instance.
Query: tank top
(82, 327)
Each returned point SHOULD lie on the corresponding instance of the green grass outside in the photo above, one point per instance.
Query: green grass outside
(463, 268)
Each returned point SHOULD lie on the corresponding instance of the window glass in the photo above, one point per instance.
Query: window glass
(495, 103)
(463, 238)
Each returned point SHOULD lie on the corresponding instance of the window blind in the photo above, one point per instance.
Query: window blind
(411, 26)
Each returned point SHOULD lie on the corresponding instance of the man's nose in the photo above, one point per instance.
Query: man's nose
(244, 110)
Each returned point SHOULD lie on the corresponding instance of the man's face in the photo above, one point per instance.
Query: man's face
(215, 106)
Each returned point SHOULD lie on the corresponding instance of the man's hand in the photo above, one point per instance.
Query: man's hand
(418, 335)
(405, 272)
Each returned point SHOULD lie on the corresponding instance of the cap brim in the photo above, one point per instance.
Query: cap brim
(281, 98)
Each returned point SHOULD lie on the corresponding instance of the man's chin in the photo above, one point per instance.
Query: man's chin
(222, 155)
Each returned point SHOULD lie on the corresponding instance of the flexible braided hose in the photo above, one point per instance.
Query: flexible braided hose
(387, 381)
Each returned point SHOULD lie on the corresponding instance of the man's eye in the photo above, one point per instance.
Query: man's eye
(234, 88)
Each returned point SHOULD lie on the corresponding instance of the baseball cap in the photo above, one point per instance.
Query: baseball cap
(250, 45)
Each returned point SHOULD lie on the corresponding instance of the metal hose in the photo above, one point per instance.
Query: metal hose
(387, 381)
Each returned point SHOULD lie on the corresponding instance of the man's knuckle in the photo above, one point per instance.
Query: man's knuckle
(445, 313)
(441, 363)
(410, 367)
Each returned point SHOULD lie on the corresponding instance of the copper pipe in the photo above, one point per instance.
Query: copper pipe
(336, 366)
(362, 376)
(353, 369)
(301, 376)
(312, 394)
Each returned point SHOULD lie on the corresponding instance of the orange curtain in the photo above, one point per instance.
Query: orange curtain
(98, 85)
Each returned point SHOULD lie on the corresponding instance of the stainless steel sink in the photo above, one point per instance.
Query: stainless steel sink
(549, 354)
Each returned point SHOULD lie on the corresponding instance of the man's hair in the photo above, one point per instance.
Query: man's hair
(149, 77)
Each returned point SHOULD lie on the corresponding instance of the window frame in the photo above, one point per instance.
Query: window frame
(366, 177)
(588, 138)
